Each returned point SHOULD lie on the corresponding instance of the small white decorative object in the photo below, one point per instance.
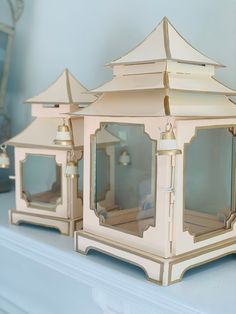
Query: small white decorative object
(72, 169)
(124, 159)
(167, 142)
(4, 158)
(63, 136)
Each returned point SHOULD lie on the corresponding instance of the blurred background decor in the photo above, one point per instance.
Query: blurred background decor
(10, 12)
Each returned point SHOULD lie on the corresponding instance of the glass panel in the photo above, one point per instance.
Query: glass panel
(3, 46)
(209, 180)
(102, 171)
(80, 177)
(4, 123)
(123, 192)
(41, 181)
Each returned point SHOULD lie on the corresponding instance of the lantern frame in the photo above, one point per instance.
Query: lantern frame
(57, 102)
(162, 80)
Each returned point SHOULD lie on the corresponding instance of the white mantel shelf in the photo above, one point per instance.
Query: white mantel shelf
(40, 273)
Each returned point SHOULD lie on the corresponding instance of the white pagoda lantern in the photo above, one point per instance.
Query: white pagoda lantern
(174, 196)
(49, 157)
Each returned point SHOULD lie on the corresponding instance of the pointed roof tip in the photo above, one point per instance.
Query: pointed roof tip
(66, 71)
(154, 48)
(65, 89)
(165, 19)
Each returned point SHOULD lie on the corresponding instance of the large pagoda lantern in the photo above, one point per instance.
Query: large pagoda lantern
(174, 177)
(49, 158)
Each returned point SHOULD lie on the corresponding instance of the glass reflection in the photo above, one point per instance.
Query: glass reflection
(80, 177)
(41, 181)
(123, 193)
(3, 47)
(209, 181)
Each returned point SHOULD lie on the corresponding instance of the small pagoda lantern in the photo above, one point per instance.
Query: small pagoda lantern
(49, 157)
(174, 178)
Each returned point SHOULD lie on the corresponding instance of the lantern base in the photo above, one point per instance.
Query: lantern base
(163, 271)
(65, 226)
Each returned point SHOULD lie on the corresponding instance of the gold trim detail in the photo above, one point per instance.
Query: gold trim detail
(166, 38)
(84, 234)
(208, 249)
(168, 262)
(72, 224)
(167, 105)
(64, 143)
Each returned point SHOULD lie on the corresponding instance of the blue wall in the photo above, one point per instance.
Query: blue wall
(83, 35)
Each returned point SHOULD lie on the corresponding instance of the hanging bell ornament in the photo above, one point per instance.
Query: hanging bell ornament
(63, 136)
(124, 158)
(4, 158)
(72, 169)
(167, 143)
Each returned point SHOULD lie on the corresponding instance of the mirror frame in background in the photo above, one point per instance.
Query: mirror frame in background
(15, 10)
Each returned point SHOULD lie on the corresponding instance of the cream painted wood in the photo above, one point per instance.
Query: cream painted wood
(178, 269)
(42, 111)
(181, 50)
(186, 68)
(142, 52)
(164, 43)
(164, 271)
(199, 82)
(65, 226)
(71, 206)
(127, 104)
(46, 129)
(150, 103)
(132, 82)
(189, 104)
(152, 268)
(67, 216)
(169, 66)
(109, 200)
(162, 80)
(74, 201)
(128, 69)
(177, 256)
(65, 90)
(78, 131)
(58, 101)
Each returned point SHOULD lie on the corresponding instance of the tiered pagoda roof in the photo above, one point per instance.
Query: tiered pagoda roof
(164, 75)
(65, 90)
